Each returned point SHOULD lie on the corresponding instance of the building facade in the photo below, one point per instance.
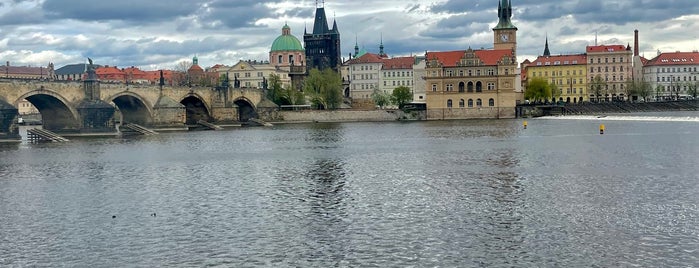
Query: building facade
(475, 83)
(288, 55)
(397, 72)
(254, 74)
(566, 73)
(323, 44)
(26, 72)
(613, 65)
(673, 75)
(364, 74)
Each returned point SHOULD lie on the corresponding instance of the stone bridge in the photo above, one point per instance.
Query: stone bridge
(93, 107)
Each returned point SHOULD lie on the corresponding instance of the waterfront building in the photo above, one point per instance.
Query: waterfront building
(396, 72)
(27, 72)
(322, 44)
(364, 73)
(254, 74)
(419, 79)
(565, 73)
(288, 55)
(476, 83)
(673, 75)
(613, 64)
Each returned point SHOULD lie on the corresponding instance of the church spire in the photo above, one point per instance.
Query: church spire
(356, 46)
(505, 15)
(381, 52)
(547, 53)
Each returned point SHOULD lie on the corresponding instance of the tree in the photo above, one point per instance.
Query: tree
(641, 89)
(380, 98)
(401, 96)
(181, 77)
(537, 90)
(280, 94)
(555, 92)
(324, 88)
(596, 86)
(692, 89)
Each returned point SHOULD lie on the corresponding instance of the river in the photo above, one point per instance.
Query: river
(469, 193)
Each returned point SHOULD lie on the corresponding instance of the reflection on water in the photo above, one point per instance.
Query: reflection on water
(423, 194)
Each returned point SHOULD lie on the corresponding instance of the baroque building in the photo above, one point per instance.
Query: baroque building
(476, 83)
(288, 56)
(323, 44)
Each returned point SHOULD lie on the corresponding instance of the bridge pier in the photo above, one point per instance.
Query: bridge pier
(96, 116)
(8, 128)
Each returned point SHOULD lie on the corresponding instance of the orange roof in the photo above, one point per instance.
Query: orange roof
(605, 48)
(398, 63)
(675, 58)
(367, 58)
(451, 58)
(560, 60)
(108, 70)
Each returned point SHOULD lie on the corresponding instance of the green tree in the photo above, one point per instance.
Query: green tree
(380, 98)
(642, 89)
(401, 96)
(274, 89)
(555, 92)
(324, 89)
(596, 86)
(537, 90)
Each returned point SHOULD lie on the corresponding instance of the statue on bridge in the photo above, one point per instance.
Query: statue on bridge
(90, 70)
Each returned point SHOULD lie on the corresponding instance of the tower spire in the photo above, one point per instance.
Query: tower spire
(381, 53)
(547, 53)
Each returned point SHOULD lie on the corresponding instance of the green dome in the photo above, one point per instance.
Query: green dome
(286, 41)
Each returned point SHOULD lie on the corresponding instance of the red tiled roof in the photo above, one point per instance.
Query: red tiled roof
(108, 70)
(367, 58)
(398, 63)
(605, 48)
(644, 61)
(451, 58)
(675, 58)
(561, 59)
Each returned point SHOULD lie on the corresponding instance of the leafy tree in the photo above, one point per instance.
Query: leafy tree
(282, 95)
(401, 96)
(537, 90)
(555, 92)
(380, 98)
(181, 77)
(596, 86)
(324, 89)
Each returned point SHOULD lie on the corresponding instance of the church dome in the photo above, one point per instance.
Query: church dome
(286, 41)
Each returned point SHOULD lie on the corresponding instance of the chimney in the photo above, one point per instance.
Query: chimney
(635, 43)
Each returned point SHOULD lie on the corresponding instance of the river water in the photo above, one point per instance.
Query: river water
(468, 193)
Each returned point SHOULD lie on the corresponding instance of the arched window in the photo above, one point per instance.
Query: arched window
(491, 102)
(479, 102)
(291, 59)
(470, 102)
(479, 86)
(461, 103)
(449, 103)
(279, 61)
(461, 87)
(470, 86)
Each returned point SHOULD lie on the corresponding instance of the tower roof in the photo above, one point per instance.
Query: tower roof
(320, 25)
(286, 41)
(546, 48)
(504, 15)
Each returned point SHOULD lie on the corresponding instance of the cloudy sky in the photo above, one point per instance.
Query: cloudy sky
(159, 34)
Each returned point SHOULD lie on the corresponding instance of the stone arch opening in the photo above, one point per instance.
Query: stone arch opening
(245, 110)
(132, 109)
(55, 114)
(196, 110)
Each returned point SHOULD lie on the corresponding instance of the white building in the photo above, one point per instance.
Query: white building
(673, 75)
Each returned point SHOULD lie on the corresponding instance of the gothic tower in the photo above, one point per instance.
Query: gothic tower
(505, 33)
(323, 44)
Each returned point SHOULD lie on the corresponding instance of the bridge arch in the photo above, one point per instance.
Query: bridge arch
(56, 113)
(132, 107)
(246, 109)
(197, 109)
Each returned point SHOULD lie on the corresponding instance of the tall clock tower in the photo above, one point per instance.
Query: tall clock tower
(505, 32)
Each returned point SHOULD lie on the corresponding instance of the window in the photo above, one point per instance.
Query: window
(479, 103)
(461, 72)
(461, 86)
(259, 74)
(491, 72)
(470, 102)
(450, 87)
(491, 85)
(449, 103)
(469, 86)
(479, 86)
(478, 72)
(291, 59)
(280, 59)
(491, 102)
(461, 103)
(434, 87)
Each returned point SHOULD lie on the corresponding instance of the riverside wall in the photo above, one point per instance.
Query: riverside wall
(349, 115)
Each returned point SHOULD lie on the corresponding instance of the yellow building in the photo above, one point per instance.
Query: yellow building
(475, 83)
(567, 73)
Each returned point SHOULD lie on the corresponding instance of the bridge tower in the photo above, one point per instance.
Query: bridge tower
(95, 114)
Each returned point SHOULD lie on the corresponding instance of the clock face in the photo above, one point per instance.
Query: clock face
(504, 37)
